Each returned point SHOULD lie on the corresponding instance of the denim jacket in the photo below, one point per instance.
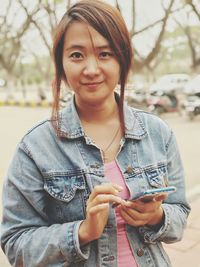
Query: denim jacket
(50, 179)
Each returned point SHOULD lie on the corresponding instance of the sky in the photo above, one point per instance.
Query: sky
(126, 5)
(142, 5)
(148, 11)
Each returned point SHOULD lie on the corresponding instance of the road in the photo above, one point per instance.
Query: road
(15, 121)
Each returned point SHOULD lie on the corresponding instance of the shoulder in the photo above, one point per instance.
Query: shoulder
(38, 136)
(42, 127)
(150, 119)
(151, 123)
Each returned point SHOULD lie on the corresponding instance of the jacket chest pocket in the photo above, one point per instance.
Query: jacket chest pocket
(66, 197)
(156, 175)
(146, 177)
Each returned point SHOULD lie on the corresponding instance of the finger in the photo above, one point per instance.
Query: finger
(119, 188)
(130, 220)
(160, 197)
(98, 208)
(140, 216)
(105, 198)
(134, 214)
(156, 197)
(106, 188)
(143, 207)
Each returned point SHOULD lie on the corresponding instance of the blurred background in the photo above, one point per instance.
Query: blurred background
(164, 79)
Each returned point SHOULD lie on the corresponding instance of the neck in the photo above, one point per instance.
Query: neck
(98, 113)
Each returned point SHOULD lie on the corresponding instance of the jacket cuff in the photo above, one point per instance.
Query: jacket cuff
(70, 246)
(151, 234)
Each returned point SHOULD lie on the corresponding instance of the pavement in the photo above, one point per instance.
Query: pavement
(30, 99)
(187, 252)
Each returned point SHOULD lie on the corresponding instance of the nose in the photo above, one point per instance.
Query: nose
(91, 67)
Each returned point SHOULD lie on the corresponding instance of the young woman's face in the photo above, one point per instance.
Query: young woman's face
(90, 66)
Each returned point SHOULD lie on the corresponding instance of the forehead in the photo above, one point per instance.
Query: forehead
(79, 33)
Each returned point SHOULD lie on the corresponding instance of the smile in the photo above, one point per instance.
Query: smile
(92, 83)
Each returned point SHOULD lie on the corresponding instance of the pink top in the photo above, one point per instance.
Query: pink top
(125, 255)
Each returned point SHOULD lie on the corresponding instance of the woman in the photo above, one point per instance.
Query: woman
(69, 172)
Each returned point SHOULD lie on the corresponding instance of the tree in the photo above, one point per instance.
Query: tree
(41, 16)
(10, 39)
(45, 23)
(149, 62)
(193, 43)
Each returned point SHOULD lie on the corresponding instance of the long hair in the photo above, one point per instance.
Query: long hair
(107, 21)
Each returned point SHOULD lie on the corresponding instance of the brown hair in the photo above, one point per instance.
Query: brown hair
(107, 21)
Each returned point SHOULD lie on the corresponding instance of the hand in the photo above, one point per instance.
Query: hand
(97, 211)
(139, 213)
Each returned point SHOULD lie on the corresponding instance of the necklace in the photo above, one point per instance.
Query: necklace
(106, 149)
(109, 145)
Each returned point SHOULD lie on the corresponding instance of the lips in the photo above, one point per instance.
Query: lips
(92, 83)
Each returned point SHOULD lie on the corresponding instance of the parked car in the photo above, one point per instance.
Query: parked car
(170, 83)
(193, 86)
(163, 103)
(136, 96)
(192, 106)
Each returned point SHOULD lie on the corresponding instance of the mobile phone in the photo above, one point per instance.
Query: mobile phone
(150, 194)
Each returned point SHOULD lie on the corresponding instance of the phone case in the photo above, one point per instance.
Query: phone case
(152, 192)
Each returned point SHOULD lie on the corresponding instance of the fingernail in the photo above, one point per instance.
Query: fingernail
(124, 202)
(128, 204)
(118, 187)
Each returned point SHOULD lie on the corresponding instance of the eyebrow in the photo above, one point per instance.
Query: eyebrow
(83, 47)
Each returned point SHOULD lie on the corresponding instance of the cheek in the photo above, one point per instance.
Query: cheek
(69, 73)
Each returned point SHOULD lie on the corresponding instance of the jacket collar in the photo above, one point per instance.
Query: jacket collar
(70, 124)
(134, 126)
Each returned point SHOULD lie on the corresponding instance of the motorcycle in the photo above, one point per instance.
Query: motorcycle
(192, 106)
(161, 102)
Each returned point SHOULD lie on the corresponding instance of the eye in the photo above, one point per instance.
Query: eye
(106, 54)
(76, 55)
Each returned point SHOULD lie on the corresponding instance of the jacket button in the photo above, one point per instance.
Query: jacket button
(140, 252)
(129, 169)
